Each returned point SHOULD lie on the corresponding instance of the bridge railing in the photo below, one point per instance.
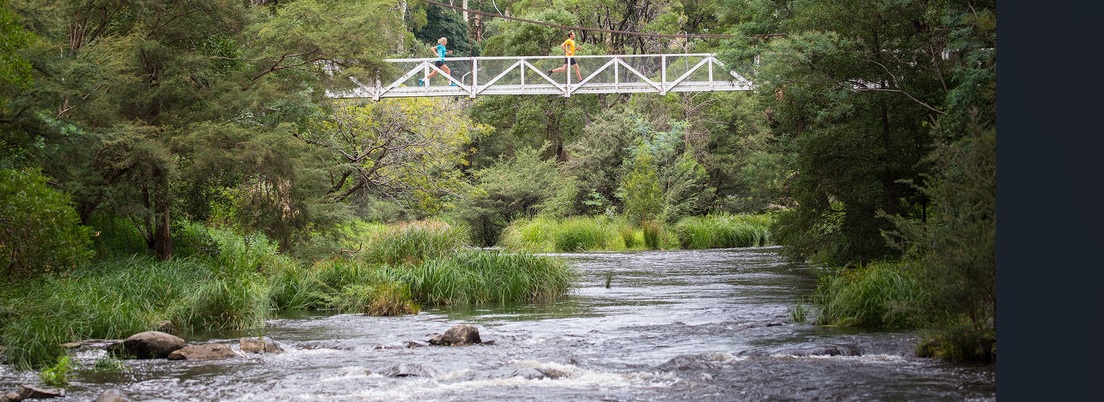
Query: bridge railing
(528, 75)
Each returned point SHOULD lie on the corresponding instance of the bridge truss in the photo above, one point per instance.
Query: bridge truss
(528, 75)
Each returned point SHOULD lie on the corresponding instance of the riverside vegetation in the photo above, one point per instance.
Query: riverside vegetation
(221, 280)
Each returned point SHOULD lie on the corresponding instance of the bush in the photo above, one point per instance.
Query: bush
(962, 341)
(39, 230)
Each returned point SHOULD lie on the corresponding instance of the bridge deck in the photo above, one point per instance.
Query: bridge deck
(528, 75)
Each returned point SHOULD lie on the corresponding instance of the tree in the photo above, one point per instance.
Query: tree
(403, 150)
(39, 230)
(444, 22)
(15, 70)
(510, 189)
(851, 89)
(116, 109)
(642, 194)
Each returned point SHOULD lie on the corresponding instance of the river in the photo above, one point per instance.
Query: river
(710, 325)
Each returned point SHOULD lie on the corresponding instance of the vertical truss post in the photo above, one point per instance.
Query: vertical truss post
(663, 75)
(475, 77)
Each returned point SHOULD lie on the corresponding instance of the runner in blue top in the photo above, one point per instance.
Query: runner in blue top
(440, 63)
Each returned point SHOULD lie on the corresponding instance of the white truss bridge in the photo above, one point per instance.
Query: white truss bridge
(528, 75)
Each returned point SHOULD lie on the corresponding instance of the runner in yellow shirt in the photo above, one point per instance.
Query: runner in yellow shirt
(569, 50)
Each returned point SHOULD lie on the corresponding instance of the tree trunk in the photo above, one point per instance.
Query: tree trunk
(162, 239)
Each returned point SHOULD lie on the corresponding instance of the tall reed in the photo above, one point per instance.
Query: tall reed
(473, 276)
(723, 231)
(112, 299)
(582, 234)
(413, 242)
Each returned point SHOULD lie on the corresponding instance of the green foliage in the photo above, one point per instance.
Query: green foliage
(108, 300)
(544, 234)
(233, 253)
(408, 150)
(878, 295)
(529, 234)
(515, 38)
(115, 237)
(855, 117)
(447, 23)
(799, 313)
(40, 232)
(642, 192)
(15, 69)
(58, 374)
(224, 303)
(955, 249)
(315, 287)
(960, 340)
(508, 190)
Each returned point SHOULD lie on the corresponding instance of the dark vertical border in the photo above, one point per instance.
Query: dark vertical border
(1050, 121)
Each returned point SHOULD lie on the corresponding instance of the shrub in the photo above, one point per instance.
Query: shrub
(961, 341)
(39, 230)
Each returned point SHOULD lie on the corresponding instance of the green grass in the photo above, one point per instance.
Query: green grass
(471, 277)
(411, 243)
(723, 231)
(878, 295)
(58, 375)
(544, 235)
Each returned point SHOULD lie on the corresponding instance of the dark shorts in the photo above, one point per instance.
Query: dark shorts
(438, 63)
(569, 60)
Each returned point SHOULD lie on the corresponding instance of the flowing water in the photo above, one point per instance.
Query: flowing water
(670, 326)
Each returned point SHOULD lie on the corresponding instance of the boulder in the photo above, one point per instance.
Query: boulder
(206, 351)
(460, 335)
(29, 392)
(112, 395)
(528, 373)
(148, 345)
(410, 370)
(259, 345)
(821, 350)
